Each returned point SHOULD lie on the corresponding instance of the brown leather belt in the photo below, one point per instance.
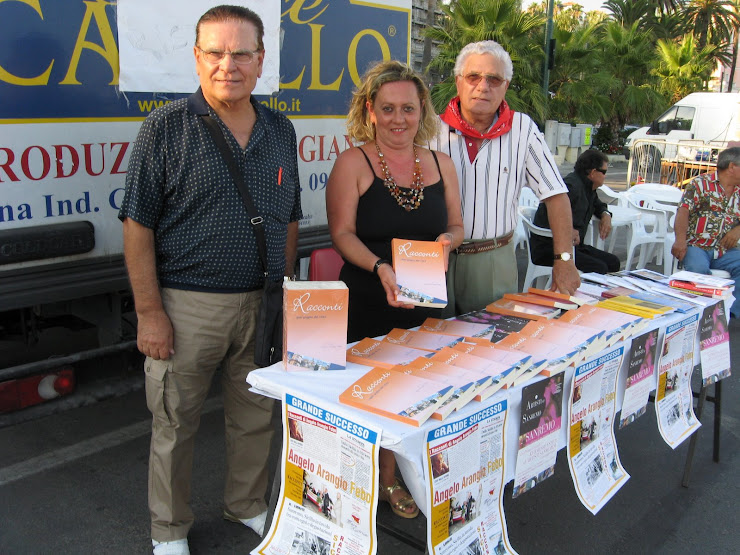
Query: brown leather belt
(483, 246)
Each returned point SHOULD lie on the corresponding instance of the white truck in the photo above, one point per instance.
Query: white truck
(692, 130)
(66, 132)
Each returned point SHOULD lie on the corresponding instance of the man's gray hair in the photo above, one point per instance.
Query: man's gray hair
(727, 156)
(485, 47)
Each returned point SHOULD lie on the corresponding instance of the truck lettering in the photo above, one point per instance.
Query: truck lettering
(35, 160)
(42, 78)
(7, 214)
(115, 198)
(45, 162)
(312, 145)
(65, 207)
(116, 169)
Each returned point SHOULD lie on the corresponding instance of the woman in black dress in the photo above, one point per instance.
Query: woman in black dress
(389, 188)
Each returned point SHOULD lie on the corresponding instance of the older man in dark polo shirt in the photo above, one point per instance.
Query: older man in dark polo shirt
(195, 272)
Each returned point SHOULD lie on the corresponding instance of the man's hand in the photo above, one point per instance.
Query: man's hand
(155, 337)
(576, 238)
(678, 250)
(730, 239)
(565, 277)
(605, 225)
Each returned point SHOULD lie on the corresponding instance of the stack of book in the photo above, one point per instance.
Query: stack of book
(700, 284)
(531, 311)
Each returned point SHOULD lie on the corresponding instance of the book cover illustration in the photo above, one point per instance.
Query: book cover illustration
(371, 352)
(420, 272)
(315, 325)
(405, 398)
(714, 344)
(420, 339)
(641, 362)
(522, 310)
(456, 327)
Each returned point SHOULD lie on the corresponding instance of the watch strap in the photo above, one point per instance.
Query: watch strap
(378, 264)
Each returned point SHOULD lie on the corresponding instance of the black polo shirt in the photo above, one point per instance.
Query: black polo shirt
(179, 185)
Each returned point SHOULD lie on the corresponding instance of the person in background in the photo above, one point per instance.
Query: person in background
(707, 222)
(195, 273)
(388, 187)
(496, 152)
(587, 176)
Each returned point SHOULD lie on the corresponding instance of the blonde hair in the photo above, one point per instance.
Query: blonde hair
(359, 126)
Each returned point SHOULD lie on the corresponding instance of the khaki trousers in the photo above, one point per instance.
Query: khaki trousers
(210, 330)
(476, 280)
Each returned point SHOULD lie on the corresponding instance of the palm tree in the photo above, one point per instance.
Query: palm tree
(713, 20)
(684, 67)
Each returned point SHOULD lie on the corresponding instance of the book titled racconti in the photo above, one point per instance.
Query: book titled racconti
(372, 352)
(496, 370)
(522, 310)
(578, 298)
(585, 340)
(315, 325)
(420, 272)
(558, 357)
(402, 397)
(456, 328)
(420, 340)
(618, 326)
(518, 361)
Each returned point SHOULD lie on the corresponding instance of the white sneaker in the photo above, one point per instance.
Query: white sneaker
(175, 547)
(256, 523)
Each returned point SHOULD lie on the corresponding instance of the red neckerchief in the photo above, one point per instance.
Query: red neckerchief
(454, 119)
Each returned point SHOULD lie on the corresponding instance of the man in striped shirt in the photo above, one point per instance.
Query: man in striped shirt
(496, 152)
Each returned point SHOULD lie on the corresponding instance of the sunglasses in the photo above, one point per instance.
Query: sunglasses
(474, 78)
(600, 170)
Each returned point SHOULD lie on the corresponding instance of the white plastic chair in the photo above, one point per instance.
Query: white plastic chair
(613, 198)
(526, 198)
(534, 271)
(650, 233)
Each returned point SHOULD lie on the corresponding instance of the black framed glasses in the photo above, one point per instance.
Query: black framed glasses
(493, 81)
(240, 57)
(600, 170)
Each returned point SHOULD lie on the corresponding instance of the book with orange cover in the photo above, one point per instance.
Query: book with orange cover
(456, 328)
(579, 299)
(518, 361)
(420, 272)
(372, 352)
(558, 357)
(585, 340)
(420, 339)
(533, 298)
(618, 326)
(315, 325)
(408, 399)
(496, 370)
(468, 381)
(522, 310)
(462, 392)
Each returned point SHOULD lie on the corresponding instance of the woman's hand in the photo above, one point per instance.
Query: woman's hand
(446, 240)
(387, 278)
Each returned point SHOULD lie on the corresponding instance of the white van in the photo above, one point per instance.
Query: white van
(703, 119)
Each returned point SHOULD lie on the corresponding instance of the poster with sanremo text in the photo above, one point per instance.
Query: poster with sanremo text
(674, 401)
(714, 344)
(639, 378)
(593, 459)
(464, 484)
(329, 473)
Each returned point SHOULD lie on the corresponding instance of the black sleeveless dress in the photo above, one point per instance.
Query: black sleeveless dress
(379, 220)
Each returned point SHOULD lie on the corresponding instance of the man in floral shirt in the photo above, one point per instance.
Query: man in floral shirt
(708, 221)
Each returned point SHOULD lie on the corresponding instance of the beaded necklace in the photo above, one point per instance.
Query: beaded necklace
(408, 199)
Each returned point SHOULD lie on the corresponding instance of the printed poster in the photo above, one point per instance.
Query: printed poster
(641, 362)
(539, 431)
(714, 344)
(329, 474)
(464, 482)
(674, 401)
(593, 459)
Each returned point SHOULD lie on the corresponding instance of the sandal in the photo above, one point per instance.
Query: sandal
(400, 506)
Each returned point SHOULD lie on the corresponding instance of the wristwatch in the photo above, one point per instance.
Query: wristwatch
(378, 264)
(563, 256)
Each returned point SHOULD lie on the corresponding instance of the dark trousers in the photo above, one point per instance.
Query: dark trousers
(591, 259)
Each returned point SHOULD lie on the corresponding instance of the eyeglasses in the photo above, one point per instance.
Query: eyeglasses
(600, 170)
(240, 57)
(493, 81)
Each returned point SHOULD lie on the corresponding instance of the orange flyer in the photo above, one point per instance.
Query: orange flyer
(403, 397)
(420, 272)
(456, 328)
(372, 352)
(315, 325)
(420, 339)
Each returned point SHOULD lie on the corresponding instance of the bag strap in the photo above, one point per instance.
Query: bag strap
(254, 217)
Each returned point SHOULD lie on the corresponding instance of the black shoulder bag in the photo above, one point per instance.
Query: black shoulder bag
(268, 342)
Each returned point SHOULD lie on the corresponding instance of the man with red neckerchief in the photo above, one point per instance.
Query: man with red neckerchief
(496, 152)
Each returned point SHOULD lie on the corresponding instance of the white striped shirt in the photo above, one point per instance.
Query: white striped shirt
(490, 185)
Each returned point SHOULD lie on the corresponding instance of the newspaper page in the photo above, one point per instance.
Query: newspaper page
(714, 344)
(674, 401)
(641, 362)
(328, 495)
(539, 431)
(593, 459)
(464, 476)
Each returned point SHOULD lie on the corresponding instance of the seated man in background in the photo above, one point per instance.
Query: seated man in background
(588, 175)
(707, 222)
